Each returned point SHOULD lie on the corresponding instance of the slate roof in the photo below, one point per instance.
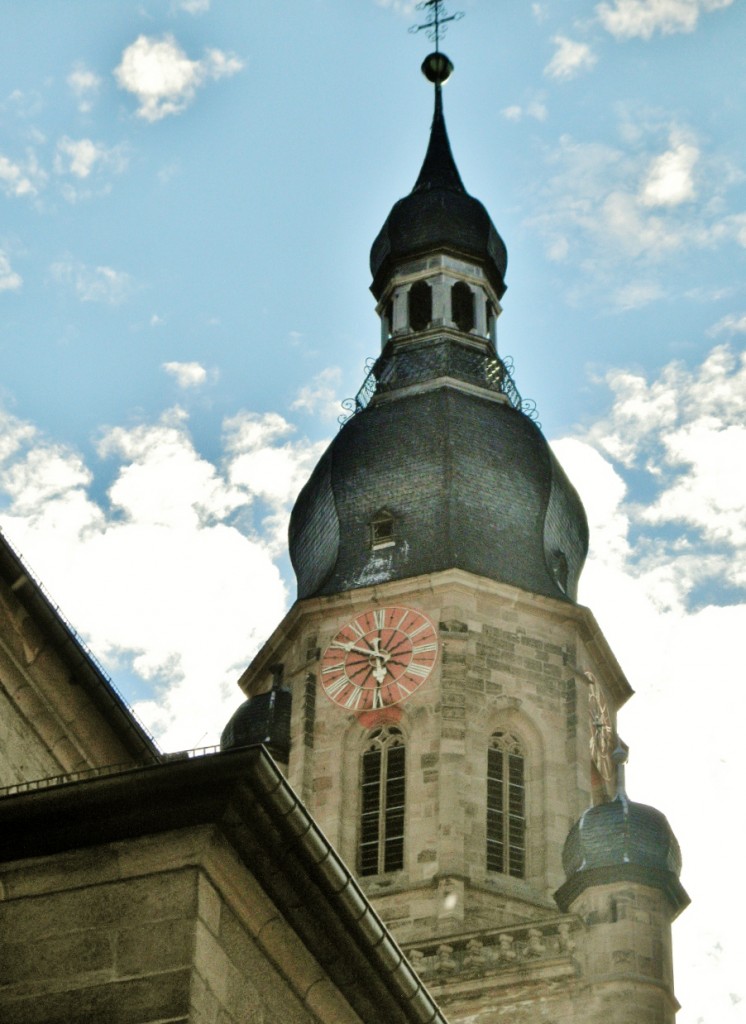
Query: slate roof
(622, 841)
(470, 482)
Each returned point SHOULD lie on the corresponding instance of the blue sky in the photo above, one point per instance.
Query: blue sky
(188, 193)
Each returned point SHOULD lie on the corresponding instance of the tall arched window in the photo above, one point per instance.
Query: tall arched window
(506, 806)
(462, 306)
(420, 306)
(382, 805)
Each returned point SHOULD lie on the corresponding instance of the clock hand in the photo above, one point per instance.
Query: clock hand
(352, 646)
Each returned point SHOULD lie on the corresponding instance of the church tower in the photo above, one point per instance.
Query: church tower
(436, 696)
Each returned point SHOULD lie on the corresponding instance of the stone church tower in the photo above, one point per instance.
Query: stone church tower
(437, 697)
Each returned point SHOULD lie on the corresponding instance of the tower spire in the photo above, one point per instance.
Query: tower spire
(438, 168)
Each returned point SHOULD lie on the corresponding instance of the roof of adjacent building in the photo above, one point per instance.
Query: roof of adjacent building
(244, 794)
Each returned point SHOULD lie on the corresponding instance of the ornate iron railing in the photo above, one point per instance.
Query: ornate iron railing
(438, 359)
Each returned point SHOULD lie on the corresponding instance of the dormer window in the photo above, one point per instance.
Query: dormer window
(462, 306)
(420, 303)
(382, 531)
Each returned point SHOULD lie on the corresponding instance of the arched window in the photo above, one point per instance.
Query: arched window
(506, 806)
(462, 306)
(420, 302)
(382, 804)
(389, 318)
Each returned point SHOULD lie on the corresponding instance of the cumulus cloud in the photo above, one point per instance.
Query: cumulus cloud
(93, 284)
(263, 458)
(84, 84)
(669, 180)
(21, 179)
(80, 157)
(686, 431)
(186, 375)
(321, 395)
(628, 19)
(621, 211)
(666, 579)
(163, 79)
(729, 324)
(570, 59)
(10, 281)
(535, 109)
(171, 574)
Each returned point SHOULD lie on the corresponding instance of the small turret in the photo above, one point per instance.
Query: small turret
(622, 862)
(263, 718)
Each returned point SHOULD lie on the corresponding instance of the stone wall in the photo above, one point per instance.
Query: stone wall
(164, 928)
(508, 662)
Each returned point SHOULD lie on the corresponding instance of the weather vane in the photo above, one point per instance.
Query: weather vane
(438, 19)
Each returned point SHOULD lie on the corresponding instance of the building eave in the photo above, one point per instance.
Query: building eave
(244, 794)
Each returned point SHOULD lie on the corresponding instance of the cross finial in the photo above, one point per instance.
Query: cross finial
(438, 18)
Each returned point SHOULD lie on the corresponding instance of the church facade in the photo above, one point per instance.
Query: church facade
(445, 775)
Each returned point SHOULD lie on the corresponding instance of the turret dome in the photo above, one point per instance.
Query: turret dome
(621, 840)
(438, 214)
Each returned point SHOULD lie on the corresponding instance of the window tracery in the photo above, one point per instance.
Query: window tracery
(383, 777)
(506, 806)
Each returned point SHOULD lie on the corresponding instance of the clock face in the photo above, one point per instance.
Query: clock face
(379, 658)
(602, 731)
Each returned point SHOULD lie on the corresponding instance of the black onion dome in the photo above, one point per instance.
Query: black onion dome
(264, 718)
(438, 214)
(469, 482)
(621, 841)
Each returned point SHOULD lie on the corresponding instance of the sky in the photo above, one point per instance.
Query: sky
(188, 194)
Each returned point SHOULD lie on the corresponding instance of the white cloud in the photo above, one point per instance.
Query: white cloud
(729, 324)
(666, 578)
(686, 430)
(273, 472)
(163, 79)
(94, 284)
(570, 59)
(637, 294)
(540, 13)
(20, 179)
(628, 19)
(84, 85)
(535, 109)
(321, 395)
(172, 573)
(403, 7)
(193, 6)
(187, 375)
(9, 280)
(623, 211)
(80, 157)
(669, 179)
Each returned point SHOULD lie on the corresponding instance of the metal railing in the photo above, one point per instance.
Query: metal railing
(494, 373)
(85, 774)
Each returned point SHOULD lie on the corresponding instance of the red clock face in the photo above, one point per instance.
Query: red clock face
(379, 658)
